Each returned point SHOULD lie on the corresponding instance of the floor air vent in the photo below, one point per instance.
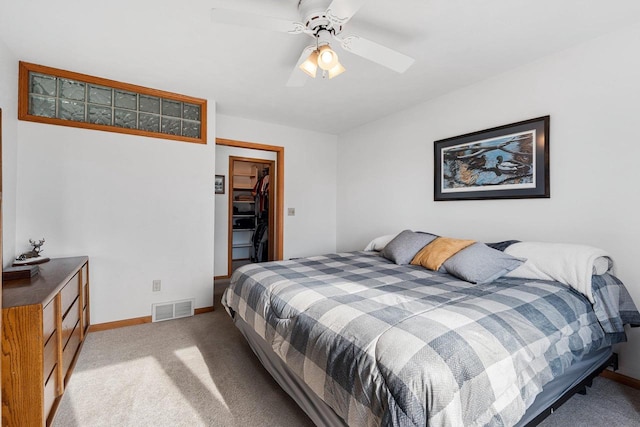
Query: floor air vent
(172, 310)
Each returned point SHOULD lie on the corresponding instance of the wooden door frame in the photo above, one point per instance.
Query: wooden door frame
(1, 240)
(271, 236)
(279, 188)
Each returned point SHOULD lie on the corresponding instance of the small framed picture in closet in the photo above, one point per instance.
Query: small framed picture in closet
(219, 184)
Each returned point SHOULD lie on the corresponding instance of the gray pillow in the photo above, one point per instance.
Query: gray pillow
(405, 246)
(479, 263)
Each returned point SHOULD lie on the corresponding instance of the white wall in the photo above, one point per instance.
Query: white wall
(385, 169)
(141, 209)
(309, 182)
(222, 201)
(9, 105)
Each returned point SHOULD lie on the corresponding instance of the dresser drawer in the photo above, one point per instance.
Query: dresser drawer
(50, 355)
(69, 322)
(50, 394)
(48, 321)
(69, 351)
(85, 274)
(85, 316)
(85, 295)
(69, 293)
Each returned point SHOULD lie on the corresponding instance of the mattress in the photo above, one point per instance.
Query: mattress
(383, 344)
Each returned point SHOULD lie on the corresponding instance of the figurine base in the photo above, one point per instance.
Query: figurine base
(31, 261)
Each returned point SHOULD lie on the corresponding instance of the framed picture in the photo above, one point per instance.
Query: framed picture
(219, 184)
(506, 162)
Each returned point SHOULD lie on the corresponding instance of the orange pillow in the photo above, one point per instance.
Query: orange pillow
(437, 252)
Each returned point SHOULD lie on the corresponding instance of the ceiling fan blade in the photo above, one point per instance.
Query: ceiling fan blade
(244, 19)
(298, 78)
(377, 53)
(340, 12)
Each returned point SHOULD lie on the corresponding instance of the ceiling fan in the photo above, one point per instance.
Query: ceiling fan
(324, 20)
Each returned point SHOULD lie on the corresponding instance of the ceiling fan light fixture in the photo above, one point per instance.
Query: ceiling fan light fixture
(327, 58)
(336, 71)
(310, 65)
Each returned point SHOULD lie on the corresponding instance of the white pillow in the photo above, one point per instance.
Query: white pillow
(379, 243)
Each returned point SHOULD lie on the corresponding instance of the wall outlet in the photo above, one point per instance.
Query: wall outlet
(291, 211)
(157, 286)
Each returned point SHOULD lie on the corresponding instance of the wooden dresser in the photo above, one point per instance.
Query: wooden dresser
(44, 323)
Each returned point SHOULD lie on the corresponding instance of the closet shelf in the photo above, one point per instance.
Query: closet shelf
(246, 177)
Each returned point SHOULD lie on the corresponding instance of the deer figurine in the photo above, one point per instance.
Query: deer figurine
(34, 252)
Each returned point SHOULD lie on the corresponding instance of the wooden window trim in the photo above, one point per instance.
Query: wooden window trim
(23, 102)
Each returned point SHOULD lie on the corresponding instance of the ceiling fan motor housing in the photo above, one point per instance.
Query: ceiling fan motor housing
(317, 17)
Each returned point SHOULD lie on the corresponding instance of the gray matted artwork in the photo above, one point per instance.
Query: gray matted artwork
(510, 161)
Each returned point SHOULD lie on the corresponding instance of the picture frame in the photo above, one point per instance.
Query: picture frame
(218, 184)
(505, 162)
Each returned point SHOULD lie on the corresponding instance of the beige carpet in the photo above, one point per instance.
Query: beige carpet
(196, 371)
(199, 371)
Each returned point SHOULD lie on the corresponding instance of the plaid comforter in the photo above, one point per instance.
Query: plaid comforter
(384, 344)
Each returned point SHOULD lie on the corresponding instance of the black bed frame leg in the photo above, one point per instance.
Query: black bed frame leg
(583, 391)
(614, 362)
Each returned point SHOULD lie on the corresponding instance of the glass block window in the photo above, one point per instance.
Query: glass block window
(61, 97)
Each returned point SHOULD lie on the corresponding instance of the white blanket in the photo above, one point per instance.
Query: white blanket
(570, 264)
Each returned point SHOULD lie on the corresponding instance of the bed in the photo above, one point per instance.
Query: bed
(366, 339)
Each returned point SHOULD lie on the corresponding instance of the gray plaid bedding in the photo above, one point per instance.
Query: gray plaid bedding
(384, 344)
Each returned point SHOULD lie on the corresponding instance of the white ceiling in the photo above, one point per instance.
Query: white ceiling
(174, 46)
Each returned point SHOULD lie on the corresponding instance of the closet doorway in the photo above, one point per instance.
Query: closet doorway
(251, 211)
(226, 148)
